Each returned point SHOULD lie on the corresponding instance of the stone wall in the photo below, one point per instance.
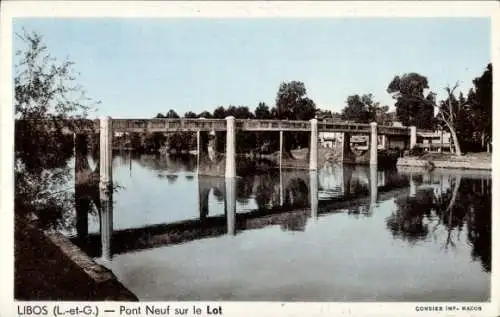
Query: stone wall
(408, 161)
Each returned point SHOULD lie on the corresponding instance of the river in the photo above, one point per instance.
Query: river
(345, 233)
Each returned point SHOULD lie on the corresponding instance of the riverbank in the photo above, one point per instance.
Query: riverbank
(478, 161)
(49, 267)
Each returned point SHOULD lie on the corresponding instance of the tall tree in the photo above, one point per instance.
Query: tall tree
(448, 111)
(361, 109)
(411, 108)
(44, 89)
(220, 113)
(240, 112)
(481, 101)
(262, 111)
(171, 114)
(292, 102)
(190, 114)
(205, 114)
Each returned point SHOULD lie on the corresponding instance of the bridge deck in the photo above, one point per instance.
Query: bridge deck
(193, 125)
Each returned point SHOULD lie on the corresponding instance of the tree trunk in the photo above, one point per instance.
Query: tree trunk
(458, 152)
(458, 182)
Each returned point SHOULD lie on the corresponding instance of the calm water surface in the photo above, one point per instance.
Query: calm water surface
(341, 234)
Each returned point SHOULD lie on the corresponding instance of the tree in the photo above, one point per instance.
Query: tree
(481, 101)
(262, 111)
(360, 109)
(292, 102)
(411, 108)
(205, 114)
(219, 113)
(44, 89)
(240, 112)
(171, 114)
(447, 113)
(190, 114)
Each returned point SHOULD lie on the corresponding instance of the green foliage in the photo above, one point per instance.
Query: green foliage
(363, 109)
(262, 111)
(44, 89)
(190, 114)
(480, 100)
(292, 102)
(412, 108)
(205, 114)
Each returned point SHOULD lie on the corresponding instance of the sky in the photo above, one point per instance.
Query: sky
(139, 67)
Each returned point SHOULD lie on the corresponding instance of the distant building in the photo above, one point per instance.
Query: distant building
(434, 141)
(330, 139)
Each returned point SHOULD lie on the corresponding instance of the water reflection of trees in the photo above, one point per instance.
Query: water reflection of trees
(171, 164)
(408, 221)
(463, 205)
(267, 190)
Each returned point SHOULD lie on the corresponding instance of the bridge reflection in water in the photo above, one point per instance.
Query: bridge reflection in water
(288, 198)
(411, 235)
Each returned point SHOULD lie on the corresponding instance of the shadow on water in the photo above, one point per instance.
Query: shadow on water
(424, 205)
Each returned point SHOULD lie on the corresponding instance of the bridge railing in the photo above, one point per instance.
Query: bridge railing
(387, 130)
(274, 125)
(162, 125)
(344, 127)
(185, 124)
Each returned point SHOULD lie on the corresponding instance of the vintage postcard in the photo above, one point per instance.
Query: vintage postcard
(249, 158)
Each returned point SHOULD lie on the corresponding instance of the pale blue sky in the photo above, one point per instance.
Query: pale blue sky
(139, 67)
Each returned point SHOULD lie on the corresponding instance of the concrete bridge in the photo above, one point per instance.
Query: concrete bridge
(107, 127)
(225, 165)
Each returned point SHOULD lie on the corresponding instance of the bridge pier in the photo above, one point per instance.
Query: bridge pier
(373, 144)
(82, 201)
(384, 141)
(230, 148)
(106, 220)
(413, 186)
(198, 150)
(281, 164)
(347, 155)
(373, 186)
(212, 146)
(106, 185)
(105, 161)
(346, 181)
(281, 149)
(313, 159)
(313, 188)
(413, 137)
(231, 205)
(203, 192)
